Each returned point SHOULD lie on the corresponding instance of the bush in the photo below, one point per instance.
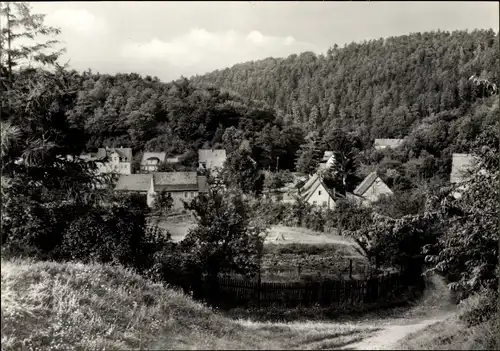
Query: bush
(479, 308)
(349, 216)
(112, 233)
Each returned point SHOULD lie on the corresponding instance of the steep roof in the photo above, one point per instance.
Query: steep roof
(310, 182)
(134, 182)
(125, 153)
(459, 166)
(151, 155)
(365, 184)
(312, 185)
(391, 143)
(217, 157)
(175, 181)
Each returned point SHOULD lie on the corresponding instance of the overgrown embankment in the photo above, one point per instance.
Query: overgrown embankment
(67, 306)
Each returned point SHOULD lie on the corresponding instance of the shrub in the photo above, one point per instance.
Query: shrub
(111, 233)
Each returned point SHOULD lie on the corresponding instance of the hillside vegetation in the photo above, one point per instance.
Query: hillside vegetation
(74, 306)
(380, 87)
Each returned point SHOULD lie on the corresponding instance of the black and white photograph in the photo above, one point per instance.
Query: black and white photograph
(250, 175)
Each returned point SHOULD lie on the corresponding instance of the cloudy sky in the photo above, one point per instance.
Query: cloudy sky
(170, 39)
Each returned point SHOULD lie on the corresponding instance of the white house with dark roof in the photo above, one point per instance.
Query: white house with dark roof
(371, 189)
(151, 160)
(381, 144)
(211, 159)
(182, 186)
(119, 160)
(316, 193)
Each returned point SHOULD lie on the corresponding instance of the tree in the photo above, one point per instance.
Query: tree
(225, 239)
(20, 23)
(467, 250)
(313, 119)
(309, 155)
(163, 202)
(241, 171)
(346, 147)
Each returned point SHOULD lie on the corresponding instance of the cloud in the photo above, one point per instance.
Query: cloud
(79, 21)
(212, 50)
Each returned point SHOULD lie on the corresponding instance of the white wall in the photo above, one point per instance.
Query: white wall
(177, 197)
(376, 190)
(321, 198)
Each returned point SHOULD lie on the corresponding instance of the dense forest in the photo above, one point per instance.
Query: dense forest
(417, 86)
(380, 88)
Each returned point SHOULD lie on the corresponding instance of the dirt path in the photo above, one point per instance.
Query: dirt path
(393, 332)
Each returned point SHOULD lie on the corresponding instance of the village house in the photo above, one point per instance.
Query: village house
(182, 186)
(381, 144)
(211, 159)
(135, 183)
(119, 160)
(151, 160)
(316, 193)
(370, 190)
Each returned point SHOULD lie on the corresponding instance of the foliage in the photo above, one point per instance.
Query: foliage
(277, 180)
(349, 216)
(162, 203)
(341, 176)
(19, 23)
(242, 171)
(467, 251)
(309, 155)
(225, 239)
(381, 87)
(113, 233)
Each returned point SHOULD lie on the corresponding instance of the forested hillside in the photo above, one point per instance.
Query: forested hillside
(380, 88)
(178, 117)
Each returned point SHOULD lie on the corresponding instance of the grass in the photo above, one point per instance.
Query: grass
(287, 248)
(281, 262)
(277, 234)
(453, 333)
(74, 306)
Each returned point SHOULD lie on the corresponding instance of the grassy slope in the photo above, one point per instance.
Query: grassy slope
(66, 306)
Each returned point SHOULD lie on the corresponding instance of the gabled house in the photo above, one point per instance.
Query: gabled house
(315, 192)
(151, 160)
(371, 189)
(119, 160)
(181, 186)
(134, 183)
(211, 159)
(381, 144)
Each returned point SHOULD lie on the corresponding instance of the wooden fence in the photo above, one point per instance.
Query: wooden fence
(235, 292)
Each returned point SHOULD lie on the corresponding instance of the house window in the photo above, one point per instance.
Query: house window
(324, 203)
(315, 202)
(319, 192)
(185, 194)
